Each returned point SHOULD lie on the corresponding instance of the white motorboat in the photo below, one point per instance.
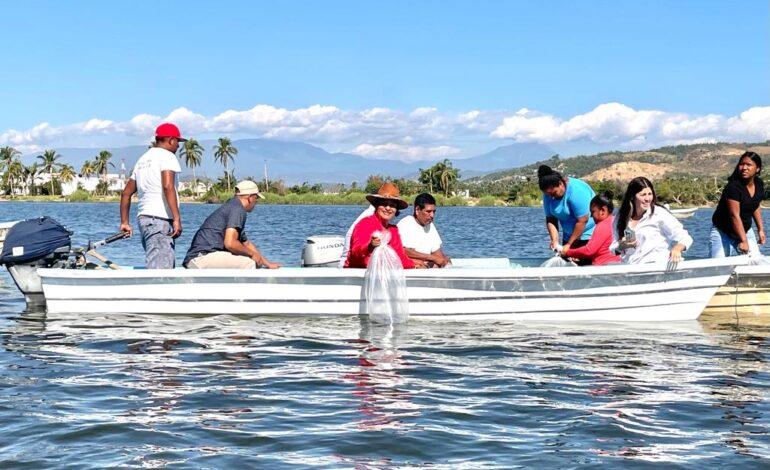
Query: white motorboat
(62, 281)
(599, 293)
(684, 213)
(681, 213)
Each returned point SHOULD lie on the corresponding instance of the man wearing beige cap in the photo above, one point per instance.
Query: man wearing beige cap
(221, 241)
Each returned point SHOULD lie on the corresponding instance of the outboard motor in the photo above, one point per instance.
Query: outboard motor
(32, 244)
(322, 251)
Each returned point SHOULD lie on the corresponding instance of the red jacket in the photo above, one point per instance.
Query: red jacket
(598, 247)
(360, 251)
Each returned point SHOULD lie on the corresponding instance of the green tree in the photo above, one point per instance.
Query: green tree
(7, 155)
(49, 164)
(373, 183)
(441, 175)
(87, 169)
(15, 173)
(30, 173)
(446, 175)
(101, 165)
(426, 178)
(67, 174)
(223, 152)
(192, 152)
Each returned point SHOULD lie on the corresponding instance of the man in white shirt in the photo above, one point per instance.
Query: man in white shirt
(419, 236)
(155, 177)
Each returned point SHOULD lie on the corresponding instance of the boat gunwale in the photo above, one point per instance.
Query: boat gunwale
(332, 273)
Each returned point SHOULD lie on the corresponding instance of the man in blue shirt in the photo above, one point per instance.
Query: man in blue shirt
(221, 241)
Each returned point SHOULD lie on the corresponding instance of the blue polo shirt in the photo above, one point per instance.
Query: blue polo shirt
(575, 203)
(211, 236)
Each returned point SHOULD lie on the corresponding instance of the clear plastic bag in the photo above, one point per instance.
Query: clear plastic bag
(385, 296)
(557, 261)
(758, 260)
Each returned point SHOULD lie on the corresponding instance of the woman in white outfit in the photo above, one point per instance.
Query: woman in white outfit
(646, 232)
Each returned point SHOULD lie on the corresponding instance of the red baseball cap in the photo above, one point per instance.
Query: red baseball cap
(169, 130)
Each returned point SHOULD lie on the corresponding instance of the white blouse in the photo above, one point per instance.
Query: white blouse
(656, 233)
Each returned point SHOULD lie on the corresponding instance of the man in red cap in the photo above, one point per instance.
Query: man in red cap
(155, 177)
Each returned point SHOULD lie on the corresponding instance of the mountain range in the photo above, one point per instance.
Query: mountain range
(298, 162)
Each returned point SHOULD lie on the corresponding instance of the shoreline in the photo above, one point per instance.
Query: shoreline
(470, 202)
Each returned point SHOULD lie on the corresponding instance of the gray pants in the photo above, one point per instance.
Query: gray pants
(157, 242)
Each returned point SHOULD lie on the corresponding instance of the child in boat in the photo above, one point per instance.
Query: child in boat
(597, 250)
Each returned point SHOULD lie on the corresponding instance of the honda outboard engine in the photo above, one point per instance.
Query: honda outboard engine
(32, 244)
(322, 251)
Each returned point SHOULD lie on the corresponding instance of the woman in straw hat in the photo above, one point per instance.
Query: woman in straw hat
(387, 202)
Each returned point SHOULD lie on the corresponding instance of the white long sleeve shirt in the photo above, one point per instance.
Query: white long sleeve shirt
(656, 233)
(346, 246)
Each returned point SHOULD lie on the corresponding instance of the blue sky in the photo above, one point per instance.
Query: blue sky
(411, 79)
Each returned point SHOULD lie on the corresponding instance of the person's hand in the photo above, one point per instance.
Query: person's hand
(420, 264)
(126, 228)
(177, 225)
(564, 250)
(441, 261)
(271, 265)
(743, 247)
(625, 244)
(761, 240)
(675, 256)
(554, 244)
(375, 241)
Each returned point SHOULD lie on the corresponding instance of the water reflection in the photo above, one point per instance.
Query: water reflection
(343, 391)
(379, 385)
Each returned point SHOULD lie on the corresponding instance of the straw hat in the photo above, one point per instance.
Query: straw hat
(390, 192)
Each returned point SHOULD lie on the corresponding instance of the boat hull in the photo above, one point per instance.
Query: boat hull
(746, 292)
(600, 293)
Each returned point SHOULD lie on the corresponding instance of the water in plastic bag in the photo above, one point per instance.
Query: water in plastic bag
(385, 298)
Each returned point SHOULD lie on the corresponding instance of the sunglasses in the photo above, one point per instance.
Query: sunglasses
(387, 203)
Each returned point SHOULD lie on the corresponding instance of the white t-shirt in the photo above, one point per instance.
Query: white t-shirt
(146, 173)
(346, 246)
(422, 239)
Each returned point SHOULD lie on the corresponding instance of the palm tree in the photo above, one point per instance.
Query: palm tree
(426, 178)
(49, 164)
(30, 173)
(101, 164)
(192, 152)
(7, 155)
(446, 175)
(14, 172)
(67, 174)
(87, 169)
(225, 151)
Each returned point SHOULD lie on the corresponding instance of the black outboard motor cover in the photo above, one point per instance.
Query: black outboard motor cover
(33, 239)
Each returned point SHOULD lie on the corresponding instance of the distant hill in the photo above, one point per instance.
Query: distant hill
(700, 160)
(298, 162)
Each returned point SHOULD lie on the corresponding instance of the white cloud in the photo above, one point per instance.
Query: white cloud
(424, 132)
(405, 152)
(620, 125)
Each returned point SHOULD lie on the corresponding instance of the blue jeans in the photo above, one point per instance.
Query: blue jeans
(722, 245)
(157, 242)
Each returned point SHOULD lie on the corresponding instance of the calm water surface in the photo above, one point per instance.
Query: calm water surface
(140, 391)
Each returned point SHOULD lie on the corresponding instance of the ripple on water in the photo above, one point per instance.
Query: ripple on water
(231, 392)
